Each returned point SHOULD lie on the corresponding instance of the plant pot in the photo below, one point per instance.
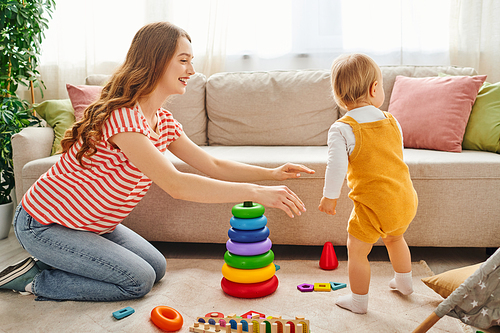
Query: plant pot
(6, 216)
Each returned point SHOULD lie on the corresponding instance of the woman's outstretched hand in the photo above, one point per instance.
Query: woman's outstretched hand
(280, 197)
(290, 170)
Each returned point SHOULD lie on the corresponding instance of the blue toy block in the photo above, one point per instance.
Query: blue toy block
(120, 314)
(337, 285)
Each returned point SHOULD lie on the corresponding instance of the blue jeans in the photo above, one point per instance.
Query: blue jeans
(116, 266)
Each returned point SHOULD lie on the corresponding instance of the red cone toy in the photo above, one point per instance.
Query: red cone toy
(328, 260)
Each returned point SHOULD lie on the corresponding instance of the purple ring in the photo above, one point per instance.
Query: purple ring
(249, 249)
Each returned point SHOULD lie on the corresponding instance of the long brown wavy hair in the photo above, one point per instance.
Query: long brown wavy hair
(152, 49)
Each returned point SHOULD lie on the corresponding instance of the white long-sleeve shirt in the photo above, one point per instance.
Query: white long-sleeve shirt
(341, 142)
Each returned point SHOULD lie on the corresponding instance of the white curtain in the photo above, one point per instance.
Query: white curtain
(93, 36)
(475, 36)
(206, 22)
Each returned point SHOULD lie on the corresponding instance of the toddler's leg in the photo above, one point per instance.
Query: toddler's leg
(359, 276)
(400, 257)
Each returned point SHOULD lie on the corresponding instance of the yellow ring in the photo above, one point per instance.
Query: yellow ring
(248, 275)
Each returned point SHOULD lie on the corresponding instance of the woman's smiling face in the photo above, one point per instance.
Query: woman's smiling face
(180, 68)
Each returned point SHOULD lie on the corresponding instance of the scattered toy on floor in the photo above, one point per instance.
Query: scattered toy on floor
(337, 285)
(249, 322)
(167, 318)
(249, 271)
(306, 287)
(125, 312)
(328, 260)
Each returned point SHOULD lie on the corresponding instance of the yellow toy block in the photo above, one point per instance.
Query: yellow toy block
(322, 287)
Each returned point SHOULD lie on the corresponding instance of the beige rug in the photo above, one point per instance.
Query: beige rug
(193, 288)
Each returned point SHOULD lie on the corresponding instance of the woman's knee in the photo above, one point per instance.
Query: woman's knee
(142, 284)
(160, 268)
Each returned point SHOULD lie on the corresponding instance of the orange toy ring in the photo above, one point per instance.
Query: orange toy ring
(166, 318)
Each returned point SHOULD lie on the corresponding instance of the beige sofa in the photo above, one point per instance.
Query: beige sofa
(269, 118)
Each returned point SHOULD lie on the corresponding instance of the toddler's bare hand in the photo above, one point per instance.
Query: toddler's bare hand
(328, 206)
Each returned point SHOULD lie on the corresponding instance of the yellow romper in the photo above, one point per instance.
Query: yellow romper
(385, 201)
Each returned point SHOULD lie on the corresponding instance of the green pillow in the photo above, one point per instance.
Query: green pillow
(59, 114)
(483, 129)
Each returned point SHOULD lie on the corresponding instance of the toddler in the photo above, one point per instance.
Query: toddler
(367, 144)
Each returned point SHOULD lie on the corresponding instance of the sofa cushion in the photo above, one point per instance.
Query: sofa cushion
(433, 111)
(389, 74)
(446, 283)
(423, 164)
(59, 114)
(188, 109)
(483, 128)
(469, 164)
(275, 108)
(81, 97)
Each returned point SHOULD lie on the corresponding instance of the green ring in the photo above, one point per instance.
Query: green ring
(242, 212)
(249, 262)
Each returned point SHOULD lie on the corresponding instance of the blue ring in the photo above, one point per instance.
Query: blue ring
(248, 224)
(248, 236)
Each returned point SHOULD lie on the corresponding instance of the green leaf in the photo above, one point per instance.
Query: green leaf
(22, 26)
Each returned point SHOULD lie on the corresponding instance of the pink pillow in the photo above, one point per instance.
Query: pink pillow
(81, 97)
(433, 112)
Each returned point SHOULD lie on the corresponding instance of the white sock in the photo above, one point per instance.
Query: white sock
(354, 302)
(402, 282)
(28, 287)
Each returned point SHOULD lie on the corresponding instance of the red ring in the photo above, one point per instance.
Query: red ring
(167, 318)
(249, 290)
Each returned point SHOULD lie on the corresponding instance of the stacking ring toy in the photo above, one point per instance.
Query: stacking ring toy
(243, 211)
(167, 318)
(249, 290)
(248, 224)
(249, 249)
(248, 275)
(249, 262)
(248, 236)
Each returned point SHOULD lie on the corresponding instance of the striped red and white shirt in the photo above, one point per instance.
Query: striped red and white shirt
(100, 195)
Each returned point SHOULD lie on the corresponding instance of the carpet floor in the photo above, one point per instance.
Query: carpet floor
(192, 286)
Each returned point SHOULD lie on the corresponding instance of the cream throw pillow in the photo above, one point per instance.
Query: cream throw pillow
(445, 283)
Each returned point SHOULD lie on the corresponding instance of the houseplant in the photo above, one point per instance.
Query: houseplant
(22, 24)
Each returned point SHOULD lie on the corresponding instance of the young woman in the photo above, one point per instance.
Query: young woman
(69, 220)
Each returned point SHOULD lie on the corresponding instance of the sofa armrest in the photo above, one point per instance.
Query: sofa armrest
(30, 144)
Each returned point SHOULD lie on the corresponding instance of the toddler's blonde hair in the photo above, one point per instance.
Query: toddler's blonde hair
(352, 76)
